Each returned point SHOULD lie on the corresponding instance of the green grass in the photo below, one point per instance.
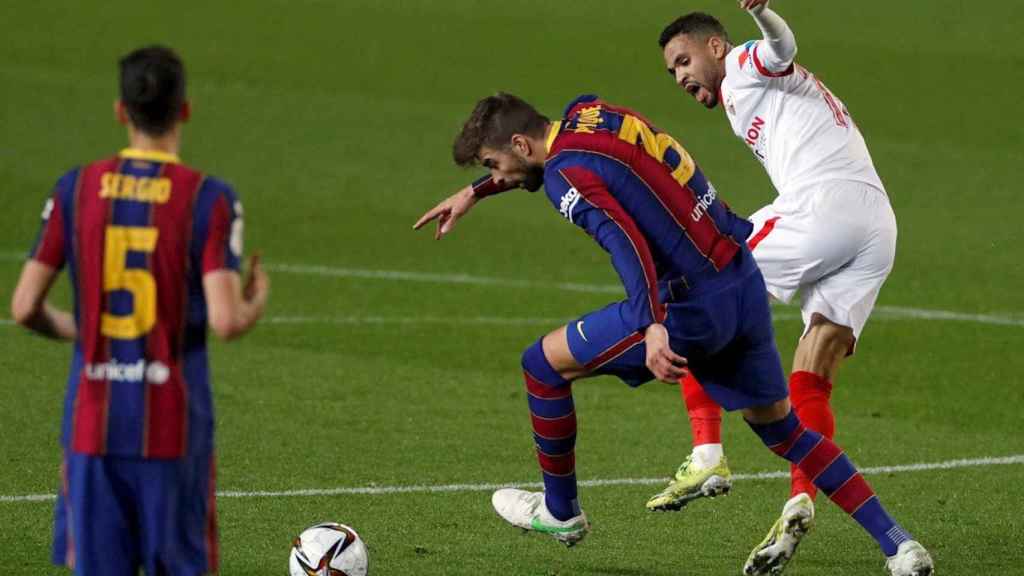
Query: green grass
(334, 121)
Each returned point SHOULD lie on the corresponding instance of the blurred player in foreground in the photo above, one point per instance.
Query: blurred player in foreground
(830, 235)
(152, 248)
(695, 299)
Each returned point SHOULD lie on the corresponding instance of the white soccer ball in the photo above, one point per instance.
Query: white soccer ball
(328, 549)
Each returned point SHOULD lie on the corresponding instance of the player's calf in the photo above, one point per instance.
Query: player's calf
(553, 415)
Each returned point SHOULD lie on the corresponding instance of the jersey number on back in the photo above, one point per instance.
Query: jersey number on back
(657, 146)
(138, 282)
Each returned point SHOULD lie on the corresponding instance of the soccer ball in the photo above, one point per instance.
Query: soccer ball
(328, 549)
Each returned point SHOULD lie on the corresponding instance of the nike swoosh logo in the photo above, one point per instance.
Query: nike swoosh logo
(539, 526)
(579, 328)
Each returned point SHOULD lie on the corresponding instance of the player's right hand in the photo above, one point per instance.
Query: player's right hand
(754, 6)
(665, 364)
(448, 211)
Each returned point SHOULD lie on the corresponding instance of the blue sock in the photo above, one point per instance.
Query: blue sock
(833, 473)
(554, 431)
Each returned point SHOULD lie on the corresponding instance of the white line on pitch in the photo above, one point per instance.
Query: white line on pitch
(470, 279)
(880, 312)
(437, 488)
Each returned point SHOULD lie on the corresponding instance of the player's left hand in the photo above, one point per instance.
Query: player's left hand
(448, 211)
(665, 364)
(753, 5)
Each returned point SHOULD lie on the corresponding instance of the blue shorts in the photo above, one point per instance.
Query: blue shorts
(115, 515)
(726, 336)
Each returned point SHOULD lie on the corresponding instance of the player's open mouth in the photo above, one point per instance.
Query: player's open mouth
(691, 88)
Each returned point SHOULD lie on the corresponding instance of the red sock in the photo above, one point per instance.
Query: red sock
(705, 414)
(810, 395)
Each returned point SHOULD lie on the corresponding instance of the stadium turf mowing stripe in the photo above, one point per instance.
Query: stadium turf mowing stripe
(440, 488)
(437, 278)
(880, 312)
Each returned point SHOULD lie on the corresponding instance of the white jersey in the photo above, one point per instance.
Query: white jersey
(799, 130)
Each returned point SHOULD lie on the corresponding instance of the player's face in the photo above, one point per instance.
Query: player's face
(510, 168)
(693, 63)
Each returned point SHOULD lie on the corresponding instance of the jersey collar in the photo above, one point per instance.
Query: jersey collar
(152, 155)
(553, 131)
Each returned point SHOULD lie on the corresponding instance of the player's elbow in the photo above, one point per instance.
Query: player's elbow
(226, 329)
(23, 308)
(226, 326)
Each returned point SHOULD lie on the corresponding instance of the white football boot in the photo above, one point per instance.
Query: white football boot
(527, 510)
(775, 551)
(911, 559)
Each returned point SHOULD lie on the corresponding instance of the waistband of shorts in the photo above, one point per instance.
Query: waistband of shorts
(683, 288)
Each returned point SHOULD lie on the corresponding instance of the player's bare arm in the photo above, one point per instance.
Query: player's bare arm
(234, 307)
(30, 309)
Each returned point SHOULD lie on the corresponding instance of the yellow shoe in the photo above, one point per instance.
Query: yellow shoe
(776, 550)
(691, 483)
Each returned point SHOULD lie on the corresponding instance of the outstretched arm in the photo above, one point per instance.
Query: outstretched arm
(454, 207)
(779, 45)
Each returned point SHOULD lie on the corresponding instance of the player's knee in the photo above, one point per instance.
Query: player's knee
(536, 364)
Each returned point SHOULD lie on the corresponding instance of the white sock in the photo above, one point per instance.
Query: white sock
(707, 455)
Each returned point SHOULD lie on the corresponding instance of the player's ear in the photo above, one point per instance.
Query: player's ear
(718, 47)
(121, 113)
(186, 111)
(521, 144)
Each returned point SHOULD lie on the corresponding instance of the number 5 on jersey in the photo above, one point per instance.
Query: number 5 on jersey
(138, 282)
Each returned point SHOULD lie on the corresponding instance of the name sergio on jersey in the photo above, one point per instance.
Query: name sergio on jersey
(114, 371)
(128, 187)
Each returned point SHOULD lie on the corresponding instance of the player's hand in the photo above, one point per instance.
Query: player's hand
(665, 364)
(754, 6)
(257, 283)
(448, 212)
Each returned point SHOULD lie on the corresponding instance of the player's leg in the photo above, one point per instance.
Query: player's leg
(178, 526)
(833, 473)
(96, 520)
(815, 365)
(857, 255)
(547, 369)
(705, 472)
(594, 344)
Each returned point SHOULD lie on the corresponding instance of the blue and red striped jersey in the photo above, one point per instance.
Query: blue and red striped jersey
(641, 196)
(137, 232)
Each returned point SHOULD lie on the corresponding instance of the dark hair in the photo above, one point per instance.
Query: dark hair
(697, 23)
(153, 88)
(493, 122)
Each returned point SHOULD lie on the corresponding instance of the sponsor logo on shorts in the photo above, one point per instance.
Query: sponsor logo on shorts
(133, 372)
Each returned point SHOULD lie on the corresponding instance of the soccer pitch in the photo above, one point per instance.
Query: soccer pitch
(384, 388)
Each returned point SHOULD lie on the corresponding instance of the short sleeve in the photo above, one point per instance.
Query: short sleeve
(50, 247)
(223, 246)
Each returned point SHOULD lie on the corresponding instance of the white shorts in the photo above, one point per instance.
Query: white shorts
(834, 245)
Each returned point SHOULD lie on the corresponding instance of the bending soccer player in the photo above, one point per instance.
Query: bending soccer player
(153, 250)
(695, 298)
(829, 235)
